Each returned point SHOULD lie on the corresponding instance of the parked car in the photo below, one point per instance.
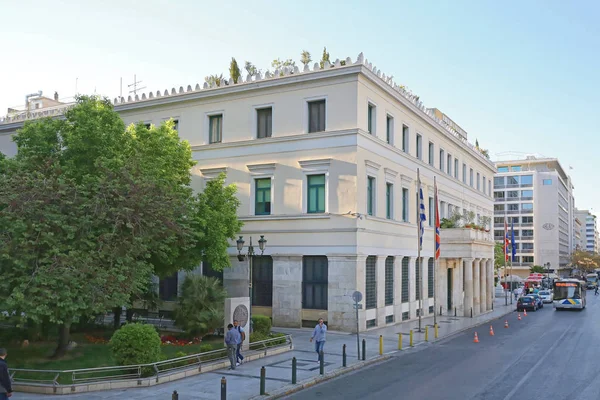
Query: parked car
(546, 296)
(538, 298)
(527, 303)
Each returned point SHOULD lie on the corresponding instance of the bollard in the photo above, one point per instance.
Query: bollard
(380, 345)
(455, 311)
(399, 341)
(364, 349)
(441, 313)
(175, 395)
(343, 355)
(436, 327)
(223, 388)
(321, 363)
(263, 378)
(471, 312)
(427, 334)
(411, 342)
(294, 370)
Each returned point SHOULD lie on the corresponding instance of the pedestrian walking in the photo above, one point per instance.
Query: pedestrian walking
(5, 385)
(319, 336)
(239, 358)
(232, 338)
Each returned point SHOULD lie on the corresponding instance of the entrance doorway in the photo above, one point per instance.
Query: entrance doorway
(449, 273)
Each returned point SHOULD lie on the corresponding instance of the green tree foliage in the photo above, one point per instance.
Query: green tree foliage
(537, 269)
(278, 64)
(215, 79)
(234, 70)
(135, 344)
(498, 255)
(261, 324)
(251, 69)
(305, 57)
(200, 307)
(324, 57)
(585, 261)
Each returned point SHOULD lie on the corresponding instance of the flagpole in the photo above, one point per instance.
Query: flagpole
(420, 280)
(505, 253)
(435, 263)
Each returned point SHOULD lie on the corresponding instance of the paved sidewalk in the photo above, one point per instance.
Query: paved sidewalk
(244, 382)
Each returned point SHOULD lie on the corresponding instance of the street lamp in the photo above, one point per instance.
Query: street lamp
(262, 243)
(548, 273)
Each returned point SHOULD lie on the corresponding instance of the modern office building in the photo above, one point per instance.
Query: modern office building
(325, 161)
(535, 196)
(578, 233)
(589, 236)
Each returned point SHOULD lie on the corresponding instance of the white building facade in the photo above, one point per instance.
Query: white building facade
(536, 197)
(589, 235)
(325, 161)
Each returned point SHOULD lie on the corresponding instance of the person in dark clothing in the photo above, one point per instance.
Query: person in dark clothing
(5, 384)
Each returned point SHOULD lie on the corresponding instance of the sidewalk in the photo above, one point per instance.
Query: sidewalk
(244, 381)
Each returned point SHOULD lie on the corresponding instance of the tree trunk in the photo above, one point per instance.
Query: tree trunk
(64, 334)
(117, 318)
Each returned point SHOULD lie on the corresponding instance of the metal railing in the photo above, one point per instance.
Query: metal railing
(55, 378)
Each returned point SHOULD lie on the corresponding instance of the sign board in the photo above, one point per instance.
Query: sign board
(357, 296)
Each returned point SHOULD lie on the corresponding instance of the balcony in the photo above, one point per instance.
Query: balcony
(525, 251)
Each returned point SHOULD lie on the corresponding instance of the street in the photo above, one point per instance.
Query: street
(548, 354)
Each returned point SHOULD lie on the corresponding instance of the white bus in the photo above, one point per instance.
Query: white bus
(569, 293)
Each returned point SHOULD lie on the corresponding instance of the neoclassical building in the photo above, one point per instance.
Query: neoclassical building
(325, 161)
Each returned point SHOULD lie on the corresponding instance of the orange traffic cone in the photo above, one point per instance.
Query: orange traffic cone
(491, 331)
(506, 323)
(524, 313)
(476, 339)
(519, 316)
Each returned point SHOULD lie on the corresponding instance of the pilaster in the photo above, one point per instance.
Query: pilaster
(468, 285)
(287, 291)
(483, 285)
(346, 275)
(380, 282)
(476, 288)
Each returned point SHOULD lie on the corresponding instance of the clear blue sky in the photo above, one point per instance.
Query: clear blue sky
(519, 76)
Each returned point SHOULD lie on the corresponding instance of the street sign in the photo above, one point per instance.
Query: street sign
(357, 296)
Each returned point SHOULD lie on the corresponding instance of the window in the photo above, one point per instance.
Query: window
(405, 316)
(443, 209)
(431, 211)
(262, 281)
(527, 180)
(207, 270)
(527, 233)
(389, 319)
(316, 116)
(167, 287)
(176, 124)
(419, 147)
(478, 182)
(527, 194)
(527, 206)
(449, 165)
(456, 168)
(215, 127)
(405, 280)
(465, 174)
(316, 193)
(431, 154)
(502, 169)
(405, 138)
(371, 283)
(370, 195)
(527, 246)
(371, 119)
(418, 278)
(515, 168)
(483, 183)
(405, 204)
(371, 323)
(527, 220)
(262, 201)
(547, 182)
(314, 282)
(513, 207)
(498, 195)
(498, 207)
(264, 122)
(512, 194)
(389, 281)
(489, 187)
(471, 177)
(430, 273)
(389, 201)
(527, 259)
(512, 180)
(442, 160)
(389, 129)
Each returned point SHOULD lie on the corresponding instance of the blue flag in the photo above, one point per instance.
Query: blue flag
(512, 240)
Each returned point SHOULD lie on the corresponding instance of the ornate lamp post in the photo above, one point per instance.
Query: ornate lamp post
(262, 243)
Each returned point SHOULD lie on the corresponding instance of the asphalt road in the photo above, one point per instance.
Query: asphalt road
(547, 355)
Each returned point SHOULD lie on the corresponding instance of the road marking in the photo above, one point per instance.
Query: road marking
(527, 376)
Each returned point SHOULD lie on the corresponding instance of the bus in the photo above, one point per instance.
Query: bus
(569, 293)
(592, 280)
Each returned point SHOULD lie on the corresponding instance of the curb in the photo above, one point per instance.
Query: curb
(471, 327)
(286, 391)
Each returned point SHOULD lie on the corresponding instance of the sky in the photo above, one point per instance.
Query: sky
(521, 77)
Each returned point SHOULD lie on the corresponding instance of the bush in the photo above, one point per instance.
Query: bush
(205, 348)
(278, 341)
(257, 337)
(261, 324)
(200, 307)
(135, 344)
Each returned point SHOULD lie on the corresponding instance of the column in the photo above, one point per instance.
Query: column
(476, 289)
(457, 286)
(287, 291)
(483, 285)
(412, 287)
(380, 282)
(398, 288)
(235, 278)
(441, 285)
(468, 285)
(490, 284)
(346, 274)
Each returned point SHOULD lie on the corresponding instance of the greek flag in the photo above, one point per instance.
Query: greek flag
(422, 217)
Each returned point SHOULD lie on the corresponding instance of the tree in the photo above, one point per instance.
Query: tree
(498, 255)
(200, 307)
(585, 261)
(215, 79)
(234, 70)
(305, 57)
(251, 69)
(324, 57)
(537, 269)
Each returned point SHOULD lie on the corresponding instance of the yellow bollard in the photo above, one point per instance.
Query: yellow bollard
(380, 345)
(427, 334)
(399, 341)
(436, 331)
(411, 338)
